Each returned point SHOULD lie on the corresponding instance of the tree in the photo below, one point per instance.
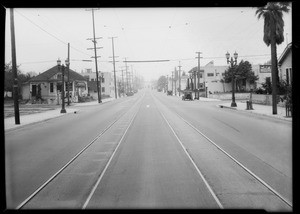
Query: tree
(272, 14)
(9, 80)
(161, 82)
(242, 73)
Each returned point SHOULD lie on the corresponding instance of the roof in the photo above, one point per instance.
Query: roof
(287, 49)
(195, 69)
(45, 76)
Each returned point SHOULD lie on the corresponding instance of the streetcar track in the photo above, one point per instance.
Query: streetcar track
(193, 162)
(108, 163)
(32, 195)
(286, 201)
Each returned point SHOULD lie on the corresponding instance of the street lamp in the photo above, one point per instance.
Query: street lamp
(191, 77)
(68, 83)
(232, 64)
(63, 110)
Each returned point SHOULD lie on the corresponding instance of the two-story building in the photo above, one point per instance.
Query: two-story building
(106, 79)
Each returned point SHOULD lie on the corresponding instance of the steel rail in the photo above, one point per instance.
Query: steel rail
(69, 162)
(108, 163)
(193, 162)
(240, 164)
(237, 162)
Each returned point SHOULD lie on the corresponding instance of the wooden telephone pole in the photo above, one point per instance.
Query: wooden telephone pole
(14, 68)
(95, 49)
(112, 39)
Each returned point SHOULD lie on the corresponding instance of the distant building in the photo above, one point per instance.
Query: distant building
(107, 83)
(212, 76)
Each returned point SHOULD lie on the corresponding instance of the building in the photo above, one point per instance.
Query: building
(47, 86)
(212, 76)
(107, 83)
(285, 64)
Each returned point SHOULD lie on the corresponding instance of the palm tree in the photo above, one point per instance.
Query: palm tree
(272, 14)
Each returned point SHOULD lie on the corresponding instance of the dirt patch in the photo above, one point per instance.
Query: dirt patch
(28, 109)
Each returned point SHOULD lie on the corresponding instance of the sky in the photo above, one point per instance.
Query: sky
(175, 34)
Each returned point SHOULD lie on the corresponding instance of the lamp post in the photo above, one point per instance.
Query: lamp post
(68, 83)
(191, 77)
(232, 64)
(63, 110)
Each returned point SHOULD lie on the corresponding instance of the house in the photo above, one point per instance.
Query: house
(48, 86)
(285, 64)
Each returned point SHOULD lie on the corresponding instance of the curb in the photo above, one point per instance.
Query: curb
(251, 112)
(74, 111)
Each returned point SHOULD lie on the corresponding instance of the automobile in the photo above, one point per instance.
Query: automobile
(187, 95)
(129, 93)
(169, 93)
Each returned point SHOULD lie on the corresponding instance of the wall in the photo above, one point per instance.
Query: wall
(287, 63)
(25, 91)
(228, 96)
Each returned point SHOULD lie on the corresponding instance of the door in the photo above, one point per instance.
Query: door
(33, 90)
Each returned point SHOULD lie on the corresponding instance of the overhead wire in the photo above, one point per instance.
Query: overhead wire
(58, 39)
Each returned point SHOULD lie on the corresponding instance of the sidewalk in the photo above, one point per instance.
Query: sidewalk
(9, 123)
(258, 109)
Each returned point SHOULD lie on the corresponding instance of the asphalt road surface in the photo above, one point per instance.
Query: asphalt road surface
(152, 158)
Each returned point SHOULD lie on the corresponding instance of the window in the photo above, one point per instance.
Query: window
(51, 87)
(103, 79)
(103, 89)
(59, 76)
(288, 75)
(210, 74)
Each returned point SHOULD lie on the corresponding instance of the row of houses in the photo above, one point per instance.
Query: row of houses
(212, 75)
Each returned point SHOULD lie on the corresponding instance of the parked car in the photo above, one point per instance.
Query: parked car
(130, 93)
(187, 95)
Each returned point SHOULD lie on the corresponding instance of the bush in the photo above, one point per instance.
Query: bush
(259, 91)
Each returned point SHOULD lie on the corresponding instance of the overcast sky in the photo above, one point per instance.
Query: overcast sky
(174, 34)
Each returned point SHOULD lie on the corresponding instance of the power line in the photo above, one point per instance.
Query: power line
(58, 39)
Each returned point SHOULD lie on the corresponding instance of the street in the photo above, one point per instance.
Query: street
(151, 151)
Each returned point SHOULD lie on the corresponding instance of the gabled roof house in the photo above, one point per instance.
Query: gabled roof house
(47, 86)
(285, 64)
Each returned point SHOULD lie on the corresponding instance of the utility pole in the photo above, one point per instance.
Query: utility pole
(179, 77)
(172, 81)
(123, 86)
(126, 73)
(197, 86)
(95, 49)
(175, 81)
(68, 67)
(14, 68)
(131, 79)
(112, 39)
